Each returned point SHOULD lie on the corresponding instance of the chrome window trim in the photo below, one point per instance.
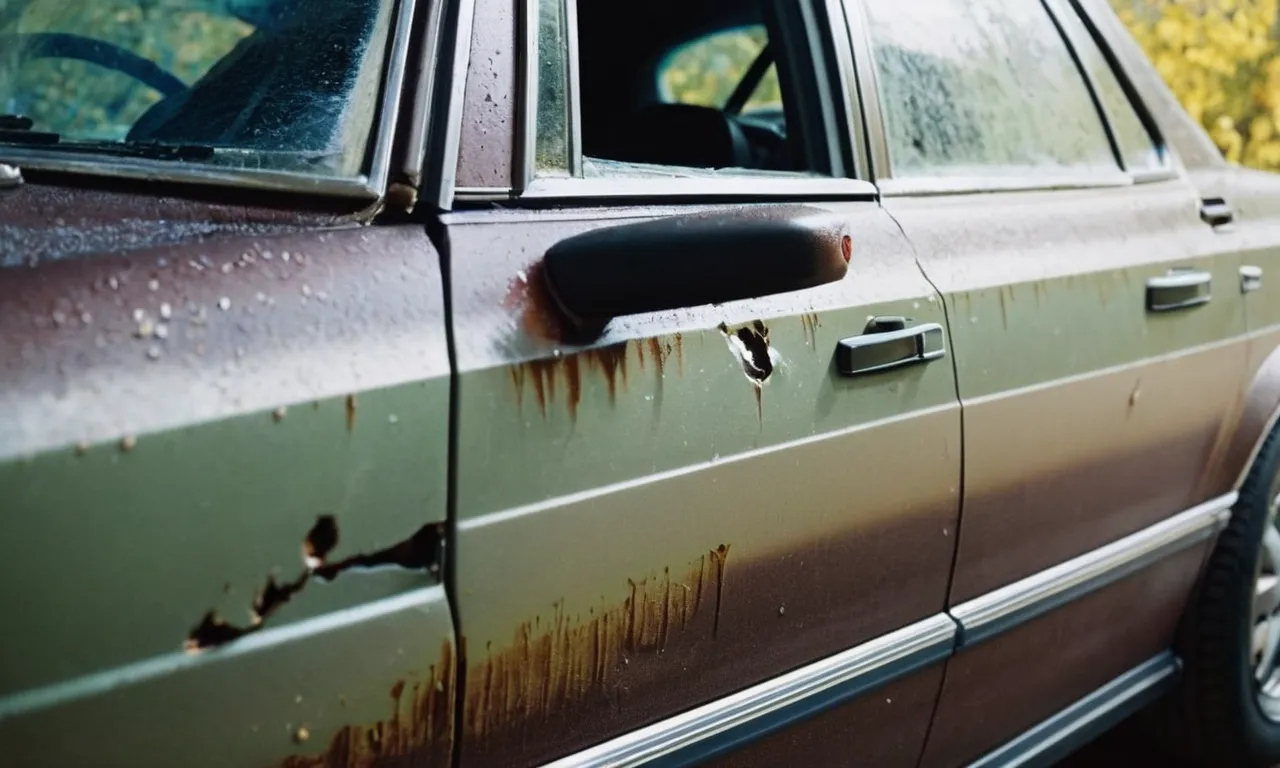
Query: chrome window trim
(526, 150)
(846, 79)
(726, 723)
(573, 98)
(986, 616)
(415, 157)
(924, 186)
(868, 84)
(370, 185)
(744, 186)
(392, 94)
(145, 169)
(1077, 724)
(451, 136)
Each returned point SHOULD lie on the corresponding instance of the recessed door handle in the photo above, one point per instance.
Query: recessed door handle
(1179, 289)
(874, 352)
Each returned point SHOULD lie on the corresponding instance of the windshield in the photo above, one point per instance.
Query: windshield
(272, 84)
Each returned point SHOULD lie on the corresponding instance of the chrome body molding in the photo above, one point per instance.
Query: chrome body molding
(1079, 723)
(727, 723)
(989, 615)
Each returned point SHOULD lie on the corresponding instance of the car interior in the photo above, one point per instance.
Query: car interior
(626, 118)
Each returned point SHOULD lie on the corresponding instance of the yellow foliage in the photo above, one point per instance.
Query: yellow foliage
(1222, 60)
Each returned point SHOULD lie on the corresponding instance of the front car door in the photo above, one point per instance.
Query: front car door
(1099, 332)
(224, 414)
(699, 500)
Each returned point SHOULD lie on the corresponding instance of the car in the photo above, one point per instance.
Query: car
(474, 383)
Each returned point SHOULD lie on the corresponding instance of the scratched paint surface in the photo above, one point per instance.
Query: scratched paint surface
(598, 483)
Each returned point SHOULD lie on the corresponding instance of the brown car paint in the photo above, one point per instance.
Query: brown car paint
(883, 728)
(1003, 686)
(569, 645)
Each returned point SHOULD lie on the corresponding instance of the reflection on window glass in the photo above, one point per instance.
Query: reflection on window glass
(980, 87)
(552, 155)
(1136, 147)
(275, 84)
(706, 71)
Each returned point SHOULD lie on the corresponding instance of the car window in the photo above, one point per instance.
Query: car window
(271, 84)
(1137, 149)
(658, 100)
(708, 70)
(982, 87)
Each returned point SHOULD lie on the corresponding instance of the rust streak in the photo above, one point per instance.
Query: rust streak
(575, 661)
(351, 412)
(679, 344)
(419, 734)
(720, 555)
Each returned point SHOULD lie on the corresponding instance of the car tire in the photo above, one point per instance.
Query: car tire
(1222, 715)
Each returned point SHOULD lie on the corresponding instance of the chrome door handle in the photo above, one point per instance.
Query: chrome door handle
(873, 352)
(1179, 289)
(1250, 278)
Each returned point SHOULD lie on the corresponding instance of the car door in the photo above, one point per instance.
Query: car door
(1098, 331)
(195, 514)
(694, 511)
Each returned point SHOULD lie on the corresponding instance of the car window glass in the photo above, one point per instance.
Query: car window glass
(287, 85)
(982, 87)
(552, 155)
(708, 70)
(653, 99)
(1137, 150)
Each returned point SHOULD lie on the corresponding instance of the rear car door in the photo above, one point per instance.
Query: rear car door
(1099, 330)
(699, 499)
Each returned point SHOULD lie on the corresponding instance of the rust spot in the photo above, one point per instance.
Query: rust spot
(811, 325)
(419, 731)
(543, 374)
(528, 297)
(351, 412)
(569, 661)
(422, 551)
(846, 248)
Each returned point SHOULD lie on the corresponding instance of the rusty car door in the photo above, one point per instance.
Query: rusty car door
(1098, 327)
(222, 486)
(698, 502)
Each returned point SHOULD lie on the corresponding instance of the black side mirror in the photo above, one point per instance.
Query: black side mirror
(687, 261)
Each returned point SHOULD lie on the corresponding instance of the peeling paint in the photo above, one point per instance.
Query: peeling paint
(750, 344)
(422, 551)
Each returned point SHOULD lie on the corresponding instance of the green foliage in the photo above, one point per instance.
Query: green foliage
(83, 100)
(1222, 60)
(706, 71)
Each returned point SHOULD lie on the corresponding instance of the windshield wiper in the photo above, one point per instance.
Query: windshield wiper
(16, 129)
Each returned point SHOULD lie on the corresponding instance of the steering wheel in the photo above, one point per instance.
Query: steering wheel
(60, 45)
